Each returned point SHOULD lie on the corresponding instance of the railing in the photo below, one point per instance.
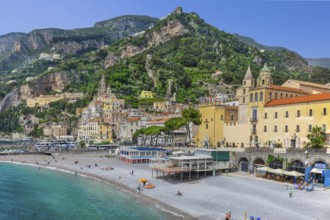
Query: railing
(253, 120)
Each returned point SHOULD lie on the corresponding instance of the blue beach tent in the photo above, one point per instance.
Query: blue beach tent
(326, 175)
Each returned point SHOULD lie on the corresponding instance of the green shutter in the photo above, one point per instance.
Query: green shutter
(220, 155)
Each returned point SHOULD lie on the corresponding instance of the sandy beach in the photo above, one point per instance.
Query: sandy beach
(205, 198)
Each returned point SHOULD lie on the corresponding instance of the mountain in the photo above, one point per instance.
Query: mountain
(18, 48)
(176, 54)
(322, 62)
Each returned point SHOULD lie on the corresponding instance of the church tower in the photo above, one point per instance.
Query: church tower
(243, 96)
(264, 78)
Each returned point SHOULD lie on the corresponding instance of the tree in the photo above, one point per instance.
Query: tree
(153, 133)
(175, 124)
(317, 137)
(192, 117)
(140, 134)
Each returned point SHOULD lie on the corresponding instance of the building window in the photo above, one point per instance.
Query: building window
(286, 114)
(324, 111)
(310, 112)
(275, 116)
(324, 127)
(270, 95)
(261, 96)
(251, 97)
(244, 89)
(265, 117)
(207, 126)
(275, 128)
(256, 97)
(298, 113)
(243, 100)
(244, 83)
(286, 128)
(254, 115)
(298, 128)
(275, 95)
(232, 117)
(309, 128)
(221, 117)
(265, 128)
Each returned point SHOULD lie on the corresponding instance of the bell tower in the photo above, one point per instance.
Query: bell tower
(264, 77)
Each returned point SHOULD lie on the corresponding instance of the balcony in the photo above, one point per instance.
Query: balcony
(253, 120)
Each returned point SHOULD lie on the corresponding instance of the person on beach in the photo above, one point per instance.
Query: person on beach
(228, 215)
(178, 193)
(138, 189)
(290, 193)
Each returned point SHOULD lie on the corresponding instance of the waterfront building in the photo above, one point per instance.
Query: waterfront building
(268, 114)
(214, 118)
(141, 154)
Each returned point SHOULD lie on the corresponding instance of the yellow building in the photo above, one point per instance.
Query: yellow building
(159, 106)
(278, 115)
(312, 88)
(214, 117)
(146, 94)
(268, 114)
(43, 100)
(95, 131)
(288, 121)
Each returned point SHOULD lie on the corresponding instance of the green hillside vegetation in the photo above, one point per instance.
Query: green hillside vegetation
(187, 61)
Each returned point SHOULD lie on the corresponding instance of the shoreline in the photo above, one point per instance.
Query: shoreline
(106, 181)
(207, 198)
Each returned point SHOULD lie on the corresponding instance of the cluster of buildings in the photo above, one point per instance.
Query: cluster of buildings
(106, 119)
(266, 115)
(263, 115)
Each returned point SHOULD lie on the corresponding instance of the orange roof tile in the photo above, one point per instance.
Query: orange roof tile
(132, 119)
(300, 99)
(286, 89)
(310, 84)
(159, 120)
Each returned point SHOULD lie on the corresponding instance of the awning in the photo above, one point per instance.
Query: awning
(317, 170)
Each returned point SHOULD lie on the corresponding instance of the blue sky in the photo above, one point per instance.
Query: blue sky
(301, 26)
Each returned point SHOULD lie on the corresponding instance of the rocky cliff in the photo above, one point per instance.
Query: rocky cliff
(16, 48)
(39, 86)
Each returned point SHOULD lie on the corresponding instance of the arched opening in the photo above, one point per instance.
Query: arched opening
(319, 162)
(259, 163)
(298, 166)
(275, 164)
(243, 165)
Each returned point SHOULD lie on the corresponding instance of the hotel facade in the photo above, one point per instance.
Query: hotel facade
(267, 114)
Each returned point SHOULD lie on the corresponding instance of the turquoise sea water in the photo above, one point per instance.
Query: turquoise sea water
(30, 193)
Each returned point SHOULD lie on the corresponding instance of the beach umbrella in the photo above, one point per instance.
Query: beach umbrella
(266, 169)
(278, 171)
(294, 173)
(143, 180)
